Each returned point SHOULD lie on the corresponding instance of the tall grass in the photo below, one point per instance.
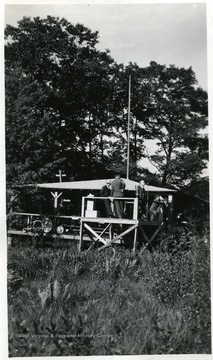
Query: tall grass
(105, 303)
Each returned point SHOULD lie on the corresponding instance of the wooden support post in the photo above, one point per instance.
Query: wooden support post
(157, 231)
(81, 235)
(83, 206)
(135, 239)
(110, 232)
(135, 209)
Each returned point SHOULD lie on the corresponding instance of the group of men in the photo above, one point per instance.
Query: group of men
(114, 189)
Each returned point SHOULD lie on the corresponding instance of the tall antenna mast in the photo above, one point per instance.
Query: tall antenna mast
(128, 131)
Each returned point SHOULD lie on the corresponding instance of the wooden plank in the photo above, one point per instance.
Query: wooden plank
(118, 237)
(95, 240)
(109, 197)
(91, 246)
(24, 214)
(135, 239)
(20, 232)
(101, 220)
(91, 236)
(144, 234)
(95, 234)
(111, 232)
(135, 210)
(72, 217)
(106, 228)
(157, 231)
(83, 207)
(74, 237)
(110, 220)
(81, 236)
(54, 236)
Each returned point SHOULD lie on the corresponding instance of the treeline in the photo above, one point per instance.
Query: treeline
(66, 108)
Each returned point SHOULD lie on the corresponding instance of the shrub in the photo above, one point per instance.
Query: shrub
(109, 302)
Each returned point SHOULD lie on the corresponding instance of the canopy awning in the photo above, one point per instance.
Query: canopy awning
(98, 184)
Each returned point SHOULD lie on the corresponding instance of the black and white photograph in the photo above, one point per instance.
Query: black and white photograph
(107, 200)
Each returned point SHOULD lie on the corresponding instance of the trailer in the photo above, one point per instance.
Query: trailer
(89, 225)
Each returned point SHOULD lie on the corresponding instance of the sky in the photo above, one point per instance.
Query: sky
(168, 33)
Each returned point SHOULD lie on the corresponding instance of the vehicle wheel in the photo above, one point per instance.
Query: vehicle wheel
(47, 225)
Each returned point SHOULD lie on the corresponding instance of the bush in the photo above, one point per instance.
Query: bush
(106, 303)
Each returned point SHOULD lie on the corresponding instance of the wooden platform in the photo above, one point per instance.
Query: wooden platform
(103, 230)
(102, 220)
(54, 236)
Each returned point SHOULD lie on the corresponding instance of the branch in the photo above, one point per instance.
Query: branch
(120, 133)
(149, 158)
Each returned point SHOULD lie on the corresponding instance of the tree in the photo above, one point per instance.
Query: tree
(57, 86)
(30, 145)
(174, 110)
(66, 107)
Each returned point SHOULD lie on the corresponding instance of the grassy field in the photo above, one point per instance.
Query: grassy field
(106, 303)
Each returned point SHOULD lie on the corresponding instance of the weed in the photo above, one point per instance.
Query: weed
(106, 303)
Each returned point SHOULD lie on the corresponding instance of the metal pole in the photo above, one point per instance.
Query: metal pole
(128, 132)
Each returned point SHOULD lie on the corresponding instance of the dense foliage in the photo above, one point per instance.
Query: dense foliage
(66, 108)
(63, 303)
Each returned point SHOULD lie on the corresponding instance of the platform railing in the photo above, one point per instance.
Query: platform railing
(89, 204)
(25, 220)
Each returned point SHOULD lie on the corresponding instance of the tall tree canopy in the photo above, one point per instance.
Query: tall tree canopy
(171, 108)
(66, 108)
(57, 98)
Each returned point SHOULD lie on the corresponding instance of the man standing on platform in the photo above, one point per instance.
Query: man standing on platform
(117, 190)
(142, 199)
(105, 192)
